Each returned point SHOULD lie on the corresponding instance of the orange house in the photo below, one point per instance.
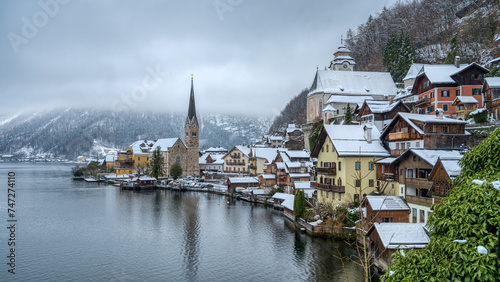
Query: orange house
(438, 86)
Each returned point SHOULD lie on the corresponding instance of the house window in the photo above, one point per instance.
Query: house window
(445, 107)
(340, 197)
(340, 166)
(358, 183)
(138, 158)
(397, 146)
(409, 173)
(322, 149)
(178, 160)
(194, 134)
(430, 109)
(432, 94)
(402, 146)
(458, 92)
(370, 166)
(472, 77)
(327, 148)
(358, 165)
(445, 129)
(417, 144)
(445, 93)
(422, 216)
(401, 189)
(370, 182)
(339, 181)
(414, 213)
(414, 158)
(476, 91)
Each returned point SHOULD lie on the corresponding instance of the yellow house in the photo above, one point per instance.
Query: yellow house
(135, 158)
(346, 162)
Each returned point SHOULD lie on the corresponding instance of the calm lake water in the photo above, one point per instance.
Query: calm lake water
(76, 231)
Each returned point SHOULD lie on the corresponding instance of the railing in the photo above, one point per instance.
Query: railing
(333, 188)
(327, 170)
(252, 166)
(418, 183)
(235, 156)
(422, 102)
(399, 135)
(235, 163)
(388, 177)
(424, 201)
(463, 112)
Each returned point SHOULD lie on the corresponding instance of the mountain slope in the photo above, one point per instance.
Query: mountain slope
(74, 132)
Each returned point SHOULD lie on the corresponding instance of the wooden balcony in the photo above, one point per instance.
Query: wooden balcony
(464, 112)
(387, 177)
(423, 102)
(327, 170)
(422, 183)
(327, 187)
(252, 166)
(423, 201)
(399, 135)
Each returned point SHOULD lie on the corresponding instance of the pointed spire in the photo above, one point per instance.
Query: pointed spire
(192, 107)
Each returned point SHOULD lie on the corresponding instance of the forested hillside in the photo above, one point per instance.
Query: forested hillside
(294, 112)
(438, 29)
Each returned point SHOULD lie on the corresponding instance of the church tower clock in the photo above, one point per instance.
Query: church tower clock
(191, 138)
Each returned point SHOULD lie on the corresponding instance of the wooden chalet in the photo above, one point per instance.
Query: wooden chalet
(380, 113)
(423, 131)
(385, 209)
(464, 105)
(445, 170)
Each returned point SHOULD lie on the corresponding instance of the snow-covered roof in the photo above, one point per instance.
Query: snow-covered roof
(413, 71)
(353, 83)
(329, 108)
(217, 158)
(493, 82)
(291, 128)
(302, 184)
(164, 144)
(403, 235)
(220, 150)
(441, 73)
(142, 147)
(235, 180)
(386, 160)
(269, 154)
(349, 140)
(268, 176)
(298, 154)
(431, 155)
(281, 165)
(281, 196)
(299, 175)
(293, 164)
(465, 100)
(143, 178)
(451, 167)
(387, 203)
(244, 149)
(378, 107)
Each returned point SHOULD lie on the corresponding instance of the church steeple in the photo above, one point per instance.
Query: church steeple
(192, 106)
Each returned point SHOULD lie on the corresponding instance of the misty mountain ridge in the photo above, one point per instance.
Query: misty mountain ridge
(72, 132)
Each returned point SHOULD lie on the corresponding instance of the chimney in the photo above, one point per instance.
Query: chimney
(368, 133)
(439, 113)
(457, 61)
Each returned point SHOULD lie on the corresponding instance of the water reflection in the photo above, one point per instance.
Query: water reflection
(191, 235)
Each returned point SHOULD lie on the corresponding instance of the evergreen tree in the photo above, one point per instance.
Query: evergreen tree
(176, 170)
(494, 72)
(156, 164)
(399, 54)
(462, 224)
(299, 204)
(314, 136)
(348, 115)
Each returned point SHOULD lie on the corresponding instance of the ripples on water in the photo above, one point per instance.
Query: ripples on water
(76, 231)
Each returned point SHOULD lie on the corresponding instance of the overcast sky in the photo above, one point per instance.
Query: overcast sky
(248, 56)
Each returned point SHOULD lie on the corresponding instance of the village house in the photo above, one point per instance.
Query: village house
(444, 171)
(260, 158)
(237, 160)
(464, 105)
(294, 137)
(275, 141)
(109, 160)
(380, 113)
(285, 201)
(491, 90)
(288, 166)
(415, 166)
(387, 238)
(136, 157)
(241, 182)
(211, 163)
(437, 86)
(346, 162)
(423, 131)
(387, 177)
(385, 209)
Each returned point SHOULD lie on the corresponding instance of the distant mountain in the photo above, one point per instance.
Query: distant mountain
(294, 112)
(73, 132)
